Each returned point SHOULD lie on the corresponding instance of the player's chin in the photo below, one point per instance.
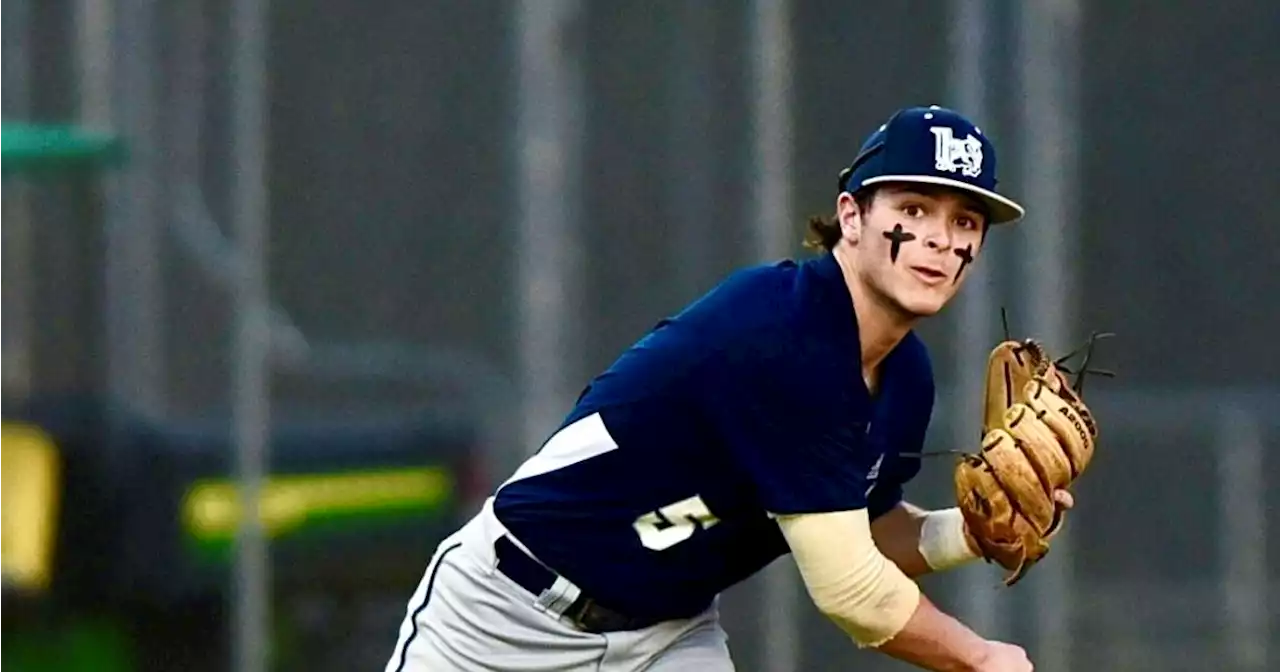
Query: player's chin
(923, 302)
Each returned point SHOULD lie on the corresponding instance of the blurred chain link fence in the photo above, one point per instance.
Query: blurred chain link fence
(419, 155)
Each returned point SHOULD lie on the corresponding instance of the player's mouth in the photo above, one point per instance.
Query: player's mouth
(929, 274)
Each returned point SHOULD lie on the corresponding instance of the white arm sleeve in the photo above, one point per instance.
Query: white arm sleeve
(942, 539)
(847, 577)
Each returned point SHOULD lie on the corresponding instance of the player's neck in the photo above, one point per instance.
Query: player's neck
(880, 327)
(880, 330)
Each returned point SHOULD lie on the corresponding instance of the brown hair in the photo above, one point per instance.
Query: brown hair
(824, 232)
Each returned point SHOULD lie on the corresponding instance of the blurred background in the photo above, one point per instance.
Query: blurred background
(360, 258)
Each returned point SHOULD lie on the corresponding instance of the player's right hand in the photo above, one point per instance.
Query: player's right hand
(1001, 657)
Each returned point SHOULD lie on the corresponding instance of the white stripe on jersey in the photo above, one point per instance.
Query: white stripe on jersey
(582, 440)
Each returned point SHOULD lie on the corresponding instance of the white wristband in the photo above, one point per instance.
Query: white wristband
(942, 539)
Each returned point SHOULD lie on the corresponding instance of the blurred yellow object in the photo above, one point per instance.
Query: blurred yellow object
(212, 509)
(29, 467)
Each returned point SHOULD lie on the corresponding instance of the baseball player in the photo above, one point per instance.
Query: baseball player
(780, 413)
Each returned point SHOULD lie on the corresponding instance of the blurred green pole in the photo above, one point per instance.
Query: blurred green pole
(977, 309)
(691, 156)
(16, 245)
(548, 246)
(93, 21)
(1048, 65)
(120, 85)
(250, 384)
(1242, 538)
(772, 133)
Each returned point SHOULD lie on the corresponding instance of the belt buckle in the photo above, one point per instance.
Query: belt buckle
(588, 616)
(579, 613)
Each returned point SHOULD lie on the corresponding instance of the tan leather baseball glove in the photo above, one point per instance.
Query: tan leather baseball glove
(1038, 437)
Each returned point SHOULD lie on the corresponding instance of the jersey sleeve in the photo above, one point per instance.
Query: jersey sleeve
(883, 498)
(905, 463)
(793, 425)
(889, 491)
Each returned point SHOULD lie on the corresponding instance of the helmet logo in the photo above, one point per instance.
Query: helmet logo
(951, 153)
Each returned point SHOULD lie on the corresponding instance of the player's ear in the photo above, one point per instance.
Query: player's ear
(849, 217)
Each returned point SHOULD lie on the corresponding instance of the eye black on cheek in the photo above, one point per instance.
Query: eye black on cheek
(966, 257)
(897, 236)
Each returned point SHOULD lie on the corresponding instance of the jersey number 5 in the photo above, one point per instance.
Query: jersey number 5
(673, 523)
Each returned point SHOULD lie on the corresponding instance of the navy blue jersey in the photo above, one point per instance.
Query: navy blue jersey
(655, 494)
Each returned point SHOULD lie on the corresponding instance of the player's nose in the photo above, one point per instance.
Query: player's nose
(937, 235)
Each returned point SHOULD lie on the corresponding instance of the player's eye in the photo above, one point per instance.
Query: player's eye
(913, 210)
(967, 223)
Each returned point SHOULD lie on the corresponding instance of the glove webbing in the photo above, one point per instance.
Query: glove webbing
(1060, 363)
